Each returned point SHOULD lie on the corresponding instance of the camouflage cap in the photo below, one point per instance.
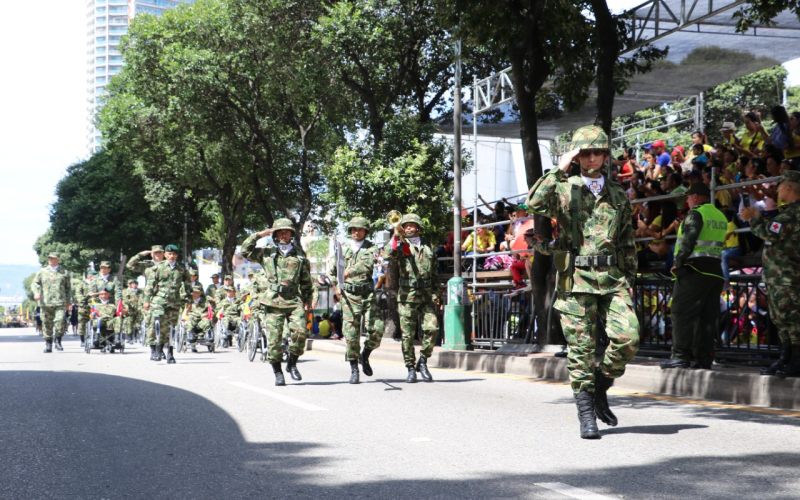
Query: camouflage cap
(228, 277)
(591, 137)
(157, 248)
(192, 272)
(358, 222)
(105, 263)
(215, 275)
(283, 224)
(91, 272)
(132, 281)
(411, 218)
(171, 248)
(229, 288)
(791, 176)
(53, 255)
(197, 288)
(251, 273)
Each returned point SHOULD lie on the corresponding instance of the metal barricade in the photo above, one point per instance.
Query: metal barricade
(502, 317)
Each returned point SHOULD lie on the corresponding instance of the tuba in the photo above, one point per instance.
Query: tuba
(393, 218)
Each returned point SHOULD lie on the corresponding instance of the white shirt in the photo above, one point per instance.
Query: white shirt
(106, 276)
(197, 300)
(172, 264)
(103, 301)
(356, 245)
(285, 248)
(594, 185)
(54, 269)
(416, 241)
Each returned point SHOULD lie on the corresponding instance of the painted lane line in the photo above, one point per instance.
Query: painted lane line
(572, 491)
(279, 397)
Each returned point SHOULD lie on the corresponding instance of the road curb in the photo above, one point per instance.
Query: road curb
(737, 386)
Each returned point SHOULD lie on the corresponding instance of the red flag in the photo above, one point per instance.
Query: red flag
(210, 313)
(397, 243)
(119, 308)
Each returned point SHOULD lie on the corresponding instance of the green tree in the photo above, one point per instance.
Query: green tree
(74, 256)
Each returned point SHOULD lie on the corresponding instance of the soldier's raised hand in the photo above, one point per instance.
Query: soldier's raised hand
(36, 297)
(565, 164)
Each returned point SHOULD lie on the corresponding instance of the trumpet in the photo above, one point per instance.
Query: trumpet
(393, 218)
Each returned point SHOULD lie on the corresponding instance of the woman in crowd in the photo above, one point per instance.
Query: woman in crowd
(753, 140)
(779, 137)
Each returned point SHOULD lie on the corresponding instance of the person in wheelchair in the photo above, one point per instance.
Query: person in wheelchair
(106, 315)
(198, 323)
(231, 313)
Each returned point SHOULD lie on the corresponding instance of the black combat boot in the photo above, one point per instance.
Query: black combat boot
(194, 347)
(58, 344)
(130, 339)
(291, 367)
(422, 368)
(279, 380)
(48, 345)
(585, 402)
(170, 357)
(412, 375)
(784, 358)
(365, 361)
(354, 371)
(83, 340)
(154, 356)
(160, 349)
(792, 368)
(601, 386)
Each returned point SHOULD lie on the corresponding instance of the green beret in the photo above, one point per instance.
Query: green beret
(53, 255)
(791, 176)
(157, 248)
(228, 277)
(171, 248)
(197, 288)
(108, 288)
(105, 263)
(91, 272)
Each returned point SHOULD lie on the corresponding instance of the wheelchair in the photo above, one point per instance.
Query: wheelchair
(185, 339)
(93, 340)
(257, 341)
(220, 334)
(241, 335)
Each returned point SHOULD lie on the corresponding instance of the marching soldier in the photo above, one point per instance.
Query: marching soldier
(138, 264)
(198, 321)
(418, 294)
(164, 297)
(288, 293)
(83, 297)
(52, 288)
(358, 297)
(131, 303)
(596, 261)
(211, 291)
(782, 271)
(222, 294)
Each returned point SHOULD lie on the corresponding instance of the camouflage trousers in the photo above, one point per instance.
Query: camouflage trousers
(197, 326)
(230, 323)
(168, 316)
(54, 321)
(354, 308)
(273, 320)
(409, 315)
(784, 313)
(579, 315)
(84, 315)
(131, 323)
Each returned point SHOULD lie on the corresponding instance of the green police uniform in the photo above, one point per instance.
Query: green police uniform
(288, 287)
(358, 295)
(418, 291)
(698, 283)
(54, 288)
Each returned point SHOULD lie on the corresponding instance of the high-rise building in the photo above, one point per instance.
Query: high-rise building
(106, 22)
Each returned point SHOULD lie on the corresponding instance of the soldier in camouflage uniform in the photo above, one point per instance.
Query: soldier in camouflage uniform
(418, 294)
(358, 297)
(231, 311)
(165, 297)
(198, 323)
(81, 291)
(138, 264)
(193, 274)
(52, 288)
(781, 256)
(213, 288)
(288, 293)
(107, 316)
(222, 294)
(103, 280)
(595, 277)
(131, 303)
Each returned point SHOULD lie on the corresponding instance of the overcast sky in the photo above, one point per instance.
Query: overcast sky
(43, 112)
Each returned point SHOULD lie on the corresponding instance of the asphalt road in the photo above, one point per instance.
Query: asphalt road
(109, 426)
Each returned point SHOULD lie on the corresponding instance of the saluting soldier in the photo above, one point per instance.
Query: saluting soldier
(138, 264)
(418, 293)
(83, 296)
(288, 293)
(165, 297)
(781, 256)
(52, 288)
(106, 315)
(596, 261)
(358, 297)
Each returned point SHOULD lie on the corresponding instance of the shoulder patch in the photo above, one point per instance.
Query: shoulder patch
(775, 227)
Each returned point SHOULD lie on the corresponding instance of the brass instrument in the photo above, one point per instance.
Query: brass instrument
(393, 218)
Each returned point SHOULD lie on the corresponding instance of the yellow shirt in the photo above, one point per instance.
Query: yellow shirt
(796, 151)
(484, 241)
(751, 141)
(733, 240)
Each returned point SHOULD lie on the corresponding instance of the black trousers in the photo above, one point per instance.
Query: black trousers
(695, 316)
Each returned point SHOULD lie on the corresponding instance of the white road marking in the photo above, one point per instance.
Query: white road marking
(279, 397)
(572, 491)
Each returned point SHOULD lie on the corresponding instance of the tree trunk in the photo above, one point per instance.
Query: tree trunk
(607, 55)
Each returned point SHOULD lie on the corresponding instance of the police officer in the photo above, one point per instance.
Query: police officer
(52, 288)
(418, 294)
(358, 297)
(781, 256)
(288, 294)
(698, 281)
(596, 260)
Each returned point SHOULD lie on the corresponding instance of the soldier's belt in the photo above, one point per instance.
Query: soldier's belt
(595, 260)
(415, 283)
(283, 288)
(353, 288)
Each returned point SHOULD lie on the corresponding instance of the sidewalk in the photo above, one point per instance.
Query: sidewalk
(737, 385)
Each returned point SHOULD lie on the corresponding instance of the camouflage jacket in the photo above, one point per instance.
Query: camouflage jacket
(211, 292)
(200, 309)
(781, 235)
(98, 283)
(292, 270)
(80, 290)
(358, 263)
(131, 300)
(420, 264)
(169, 286)
(604, 229)
(146, 267)
(221, 294)
(53, 287)
(106, 312)
(230, 309)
